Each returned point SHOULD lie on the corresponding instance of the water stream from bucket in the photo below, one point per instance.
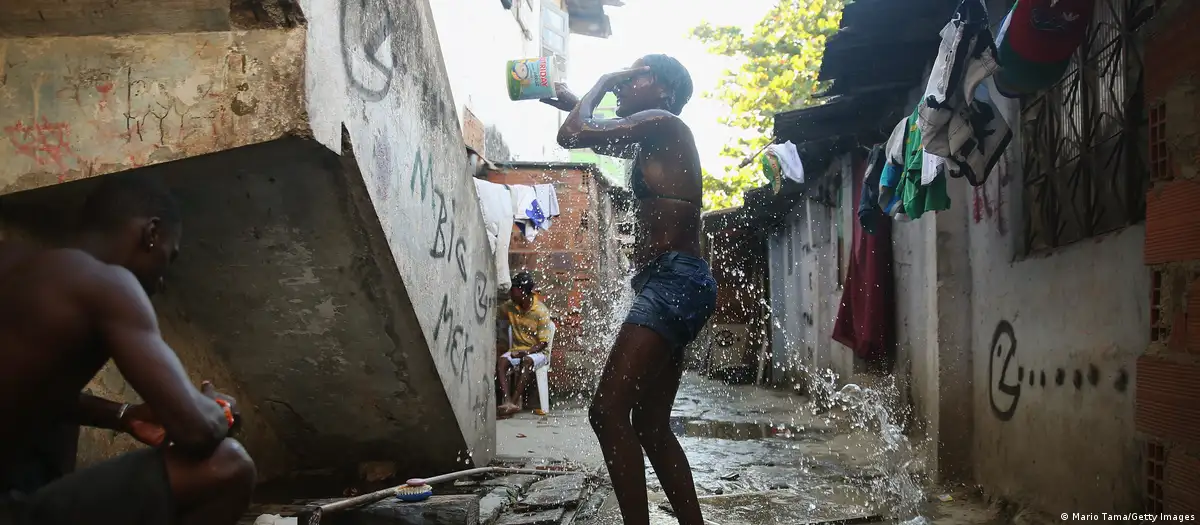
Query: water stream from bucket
(894, 471)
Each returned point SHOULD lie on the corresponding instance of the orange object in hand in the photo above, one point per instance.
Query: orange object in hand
(228, 411)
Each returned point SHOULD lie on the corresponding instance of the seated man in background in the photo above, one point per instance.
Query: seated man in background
(529, 321)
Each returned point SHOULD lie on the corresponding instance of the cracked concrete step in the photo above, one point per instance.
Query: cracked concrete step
(558, 491)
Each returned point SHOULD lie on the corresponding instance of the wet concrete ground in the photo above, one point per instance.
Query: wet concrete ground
(759, 457)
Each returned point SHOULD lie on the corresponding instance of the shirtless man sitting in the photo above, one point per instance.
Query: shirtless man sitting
(64, 313)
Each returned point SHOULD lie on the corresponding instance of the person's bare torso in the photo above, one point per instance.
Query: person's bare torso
(669, 216)
(47, 348)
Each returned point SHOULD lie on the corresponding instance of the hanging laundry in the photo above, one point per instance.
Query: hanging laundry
(866, 319)
(789, 160)
(917, 198)
(889, 177)
(958, 121)
(895, 143)
(547, 199)
(495, 203)
(1036, 42)
(526, 210)
(869, 214)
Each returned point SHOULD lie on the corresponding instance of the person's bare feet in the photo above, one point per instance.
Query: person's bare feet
(508, 409)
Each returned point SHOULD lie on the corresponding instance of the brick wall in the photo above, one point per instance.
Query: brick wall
(1168, 376)
(570, 263)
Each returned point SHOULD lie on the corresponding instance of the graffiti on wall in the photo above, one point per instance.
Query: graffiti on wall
(1007, 377)
(47, 143)
(445, 243)
(987, 203)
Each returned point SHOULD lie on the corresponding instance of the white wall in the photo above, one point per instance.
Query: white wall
(805, 294)
(990, 327)
(478, 38)
(401, 120)
(1079, 313)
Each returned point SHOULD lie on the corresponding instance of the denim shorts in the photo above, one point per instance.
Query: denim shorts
(676, 294)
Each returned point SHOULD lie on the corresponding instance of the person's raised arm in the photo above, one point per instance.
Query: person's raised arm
(193, 421)
(566, 101)
(583, 130)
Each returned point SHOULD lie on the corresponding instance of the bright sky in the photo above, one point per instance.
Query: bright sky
(641, 27)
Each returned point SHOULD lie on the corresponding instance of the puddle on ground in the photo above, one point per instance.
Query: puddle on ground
(744, 430)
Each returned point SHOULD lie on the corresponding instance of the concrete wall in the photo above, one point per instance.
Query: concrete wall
(1054, 342)
(806, 290)
(376, 71)
(75, 107)
(477, 40)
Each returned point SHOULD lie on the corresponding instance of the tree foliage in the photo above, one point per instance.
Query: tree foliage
(782, 58)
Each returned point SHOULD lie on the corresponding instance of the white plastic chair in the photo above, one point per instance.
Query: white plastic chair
(542, 373)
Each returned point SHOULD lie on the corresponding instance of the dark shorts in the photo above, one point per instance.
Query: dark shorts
(129, 489)
(676, 294)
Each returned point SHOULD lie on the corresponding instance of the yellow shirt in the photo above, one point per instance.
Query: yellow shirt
(529, 327)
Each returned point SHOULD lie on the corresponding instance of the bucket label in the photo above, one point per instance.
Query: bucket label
(530, 79)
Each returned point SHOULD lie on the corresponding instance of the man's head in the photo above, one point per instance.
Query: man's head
(667, 85)
(521, 292)
(138, 223)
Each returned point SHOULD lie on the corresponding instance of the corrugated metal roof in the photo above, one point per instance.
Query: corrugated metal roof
(883, 44)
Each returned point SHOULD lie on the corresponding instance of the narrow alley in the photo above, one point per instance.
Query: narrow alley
(760, 457)
(363, 262)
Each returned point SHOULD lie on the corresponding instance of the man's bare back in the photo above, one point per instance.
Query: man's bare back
(64, 312)
(50, 348)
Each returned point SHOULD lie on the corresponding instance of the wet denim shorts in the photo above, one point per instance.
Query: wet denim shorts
(676, 294)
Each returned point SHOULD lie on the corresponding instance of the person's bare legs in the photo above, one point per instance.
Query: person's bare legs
(652, 422)
(523, 375)
(638, 356)
(502, 367)
(214, 491)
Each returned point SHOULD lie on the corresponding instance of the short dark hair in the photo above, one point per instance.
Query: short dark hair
(124, 196)
(523, 281)
(674, 76)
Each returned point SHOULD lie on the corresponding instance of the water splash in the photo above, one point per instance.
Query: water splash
(895, 472)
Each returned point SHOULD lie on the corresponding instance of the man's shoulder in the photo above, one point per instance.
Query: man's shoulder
(79, 271)
(539, 309)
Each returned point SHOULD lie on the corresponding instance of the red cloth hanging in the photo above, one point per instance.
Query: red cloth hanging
(866, 319)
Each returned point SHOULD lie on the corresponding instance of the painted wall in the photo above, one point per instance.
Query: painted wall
(75, 107)
(477, 40)
(376, 71)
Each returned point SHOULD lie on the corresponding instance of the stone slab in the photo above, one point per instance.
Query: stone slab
(494, 503)
(518, 482)
(437, 510)
(546, 517)
(558, 491)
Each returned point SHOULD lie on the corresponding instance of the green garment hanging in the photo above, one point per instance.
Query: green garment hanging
(918, 199)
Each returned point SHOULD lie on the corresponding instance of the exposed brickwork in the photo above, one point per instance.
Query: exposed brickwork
(567, 261)
(1172, 52)
(1167, 395)
(1172, 222)
(1192, 317)
(1181, 493)
(1167, 407)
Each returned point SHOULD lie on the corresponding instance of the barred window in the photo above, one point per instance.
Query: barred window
(1084, 166)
